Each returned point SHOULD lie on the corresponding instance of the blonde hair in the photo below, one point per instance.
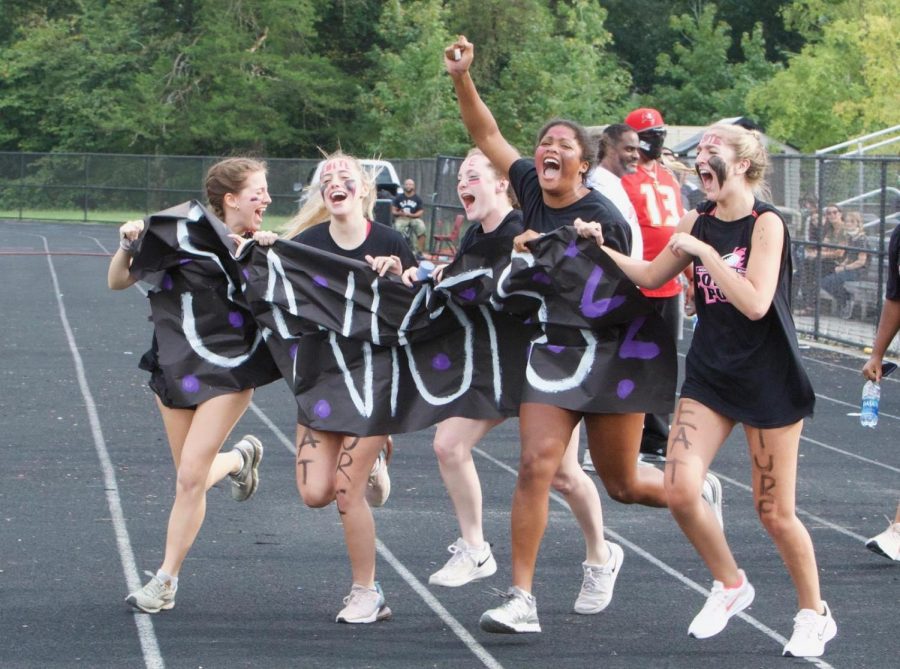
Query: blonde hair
(855, 218)
(313, 212)
(747, 145)
(228, 176)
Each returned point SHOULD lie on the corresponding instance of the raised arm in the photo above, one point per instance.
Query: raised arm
(475, 114)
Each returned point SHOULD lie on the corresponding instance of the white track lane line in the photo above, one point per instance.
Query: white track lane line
(430, 600)
(146, 634)
(768, 631)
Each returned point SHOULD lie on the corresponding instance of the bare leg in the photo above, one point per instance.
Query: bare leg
(453, 443)
(696, 435)
(545, 432)
(773, 454)
(210, 425)
(584, 500)
(615, 440)
(351, 476)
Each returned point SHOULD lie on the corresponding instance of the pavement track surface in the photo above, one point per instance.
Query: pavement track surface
(86, 484)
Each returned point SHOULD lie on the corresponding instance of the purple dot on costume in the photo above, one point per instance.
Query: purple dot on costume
(555, 348)
(440, 362)
(185, 261)
(190, 384)
(571, 251)
(167, 282)
(236, 318)
(540, 277)
(320, 281)
(246, 273)
(468, 294)
(322, 409)
(624, 388)
(294, 351)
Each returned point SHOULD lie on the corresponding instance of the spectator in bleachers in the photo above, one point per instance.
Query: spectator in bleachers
(852, 266)
(830, 234)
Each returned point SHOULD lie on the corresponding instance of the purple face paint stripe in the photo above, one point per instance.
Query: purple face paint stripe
(642, 350)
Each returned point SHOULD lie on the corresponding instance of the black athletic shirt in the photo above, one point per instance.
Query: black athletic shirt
(381, 241)
(749, 371)
(510, 226)
(592, 207)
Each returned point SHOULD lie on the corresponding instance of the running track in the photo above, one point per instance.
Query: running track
(86, 482)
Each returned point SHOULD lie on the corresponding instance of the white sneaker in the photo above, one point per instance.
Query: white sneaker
(811, 632)
(886, 544)
(378, 488)
(599, 581)
(156, 596)
(245, 482)
(587, 464)
(721, 604)
(466, 564)
(364, 605)
(516, 615)
(712, 493)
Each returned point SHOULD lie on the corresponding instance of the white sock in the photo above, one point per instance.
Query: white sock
(167, 578)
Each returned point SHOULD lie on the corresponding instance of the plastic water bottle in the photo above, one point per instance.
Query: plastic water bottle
(871, 394)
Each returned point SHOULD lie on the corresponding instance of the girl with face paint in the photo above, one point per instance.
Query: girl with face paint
(743, 367)
(552, 191)
(335, 467)
(484, 195)
(237, 192)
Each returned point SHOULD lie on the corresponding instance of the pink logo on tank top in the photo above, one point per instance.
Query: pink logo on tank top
(737, 260)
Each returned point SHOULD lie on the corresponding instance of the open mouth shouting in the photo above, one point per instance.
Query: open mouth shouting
(468, 201)
(551, 167)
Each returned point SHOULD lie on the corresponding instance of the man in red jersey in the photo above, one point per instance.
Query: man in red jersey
(656, 195)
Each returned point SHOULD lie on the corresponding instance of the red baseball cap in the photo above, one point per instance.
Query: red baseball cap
(645, 118)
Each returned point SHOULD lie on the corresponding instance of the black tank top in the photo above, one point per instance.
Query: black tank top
(749, 371)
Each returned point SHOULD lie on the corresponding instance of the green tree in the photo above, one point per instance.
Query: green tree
(410, 107)
(570, 73)
(641, 31)
(844, 82)
(699, 84)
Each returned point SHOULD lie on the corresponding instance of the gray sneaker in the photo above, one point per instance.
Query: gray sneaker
(154, 597)
(712, 493)
(516, 615)
(246, 481)
(364, 605)
(599, 581)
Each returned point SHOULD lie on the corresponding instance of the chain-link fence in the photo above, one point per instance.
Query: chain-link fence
(105, 187)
